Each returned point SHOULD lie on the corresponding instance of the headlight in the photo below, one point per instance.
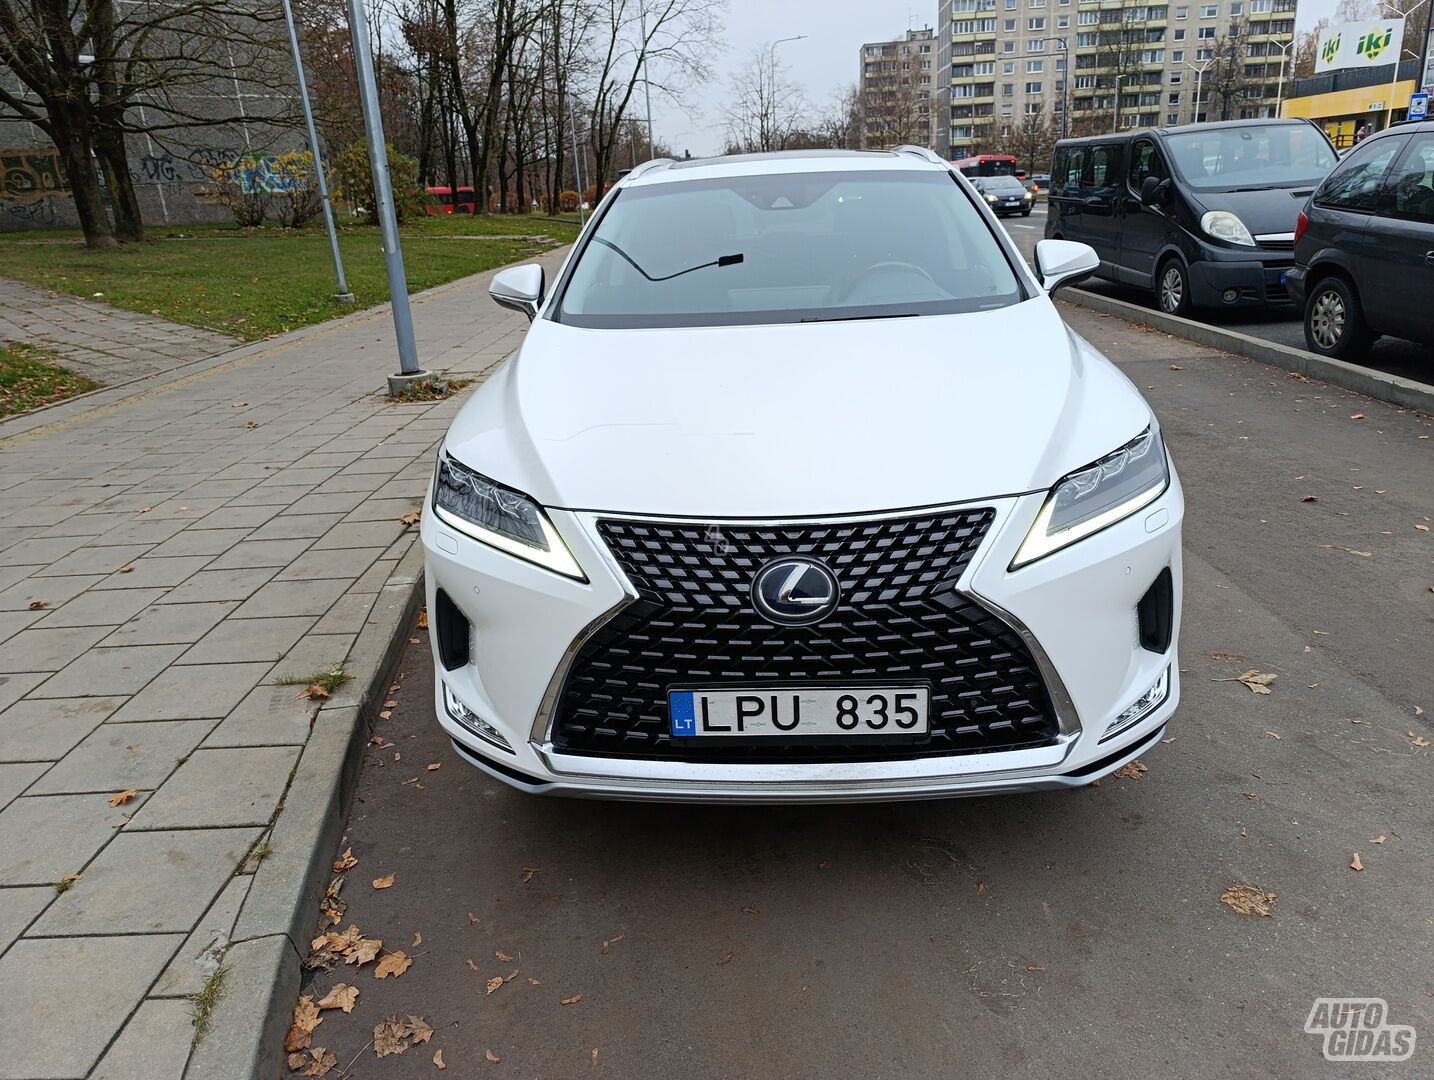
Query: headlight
(990, 198)
(1101, 494)
(1028, 194)
(1223, 225)
(500, 517)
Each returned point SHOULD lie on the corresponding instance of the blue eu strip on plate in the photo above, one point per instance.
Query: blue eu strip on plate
(684, 715)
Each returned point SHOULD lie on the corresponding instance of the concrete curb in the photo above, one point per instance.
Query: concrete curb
(282, 907)
(1362, 380)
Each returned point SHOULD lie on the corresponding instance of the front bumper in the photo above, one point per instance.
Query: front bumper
(1241, 282)
(1075, 609)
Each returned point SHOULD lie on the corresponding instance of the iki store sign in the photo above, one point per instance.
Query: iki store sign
(1359, 45)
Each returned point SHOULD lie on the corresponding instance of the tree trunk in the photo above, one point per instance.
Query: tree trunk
(109, 123)
(72, 140)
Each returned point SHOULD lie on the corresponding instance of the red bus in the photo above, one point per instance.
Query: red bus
(988, 165)
(441, 200)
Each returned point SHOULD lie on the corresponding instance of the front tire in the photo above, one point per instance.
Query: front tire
(1334, 322)
(1172, 288)
(1026, 212)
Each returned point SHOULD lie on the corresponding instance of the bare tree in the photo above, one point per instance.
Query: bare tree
(838, 125)
(1305, 50)
(895, 110)
(672, 54)
(1225, 80)
(1031, 140)
(766, 108)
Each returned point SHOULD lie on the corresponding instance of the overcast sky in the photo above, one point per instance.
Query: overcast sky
(823, 61)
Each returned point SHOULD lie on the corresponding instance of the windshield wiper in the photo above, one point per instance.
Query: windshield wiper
(862, 318)
(724, 260)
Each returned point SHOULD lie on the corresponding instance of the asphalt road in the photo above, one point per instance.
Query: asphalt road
(1278, 324)
(1066, 933)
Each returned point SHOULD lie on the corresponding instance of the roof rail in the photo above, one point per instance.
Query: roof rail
(647, 166)
(923, 152)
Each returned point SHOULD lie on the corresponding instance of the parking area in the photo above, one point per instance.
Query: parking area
(1281, 325)
(1064, 932)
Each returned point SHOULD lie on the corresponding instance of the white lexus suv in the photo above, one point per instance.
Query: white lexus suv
(800, 489)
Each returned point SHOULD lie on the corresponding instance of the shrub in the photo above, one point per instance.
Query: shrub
(567, 201)
(510, 203)
(353, 182)
(296, 195)
(236, 187)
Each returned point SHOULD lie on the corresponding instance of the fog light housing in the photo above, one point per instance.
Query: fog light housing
(1230, 295)
(1141, 707)
(471, 721)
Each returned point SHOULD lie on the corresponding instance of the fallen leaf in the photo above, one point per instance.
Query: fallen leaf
(385, 882)
(306, 1018)
(570, 1000)
(503, 957)
(423, 619)
(1378, 839)
(611, 941)
(315, 692)
(1248, 900)
(346, 861)
(749, 910)
(471, 965)
(434, 766)
(390, 704)
(1357, 416)
(726, 959)
(1176, 367)
(528, 872)
(342, 996)
(1167, 742)
(1361, 554)
(438, 1059)
(981, 887)
(1036, 967)
(1310, 498)
(250, 425)
(1272, 735)
(364, 951)
(1258, 681)
(384, 714)
(417, 939)
(492, 1057)
(411, 518)
(119, 798)
(319, 1061)
(1355, 864)
(394, 963)
(1132, 770)
(145, 509)
(534, 982)
(394, 1036)
(1419, 740)
(36, 605)
(473, 919)
(495, 983)
(122, 822)
(130, 568)
(1422, 528)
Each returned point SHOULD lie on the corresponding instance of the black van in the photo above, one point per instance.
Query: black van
(1204, 214)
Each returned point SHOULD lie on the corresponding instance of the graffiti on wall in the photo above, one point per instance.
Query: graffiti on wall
(29, 175)
(265, 173)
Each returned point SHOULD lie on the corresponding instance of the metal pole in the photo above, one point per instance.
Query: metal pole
(646, 84)
(409, 372)
(343, 295)
(577, 169)
(1116, 122)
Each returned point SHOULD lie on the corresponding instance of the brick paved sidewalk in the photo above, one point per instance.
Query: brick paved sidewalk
(164, 560)
(108, 344)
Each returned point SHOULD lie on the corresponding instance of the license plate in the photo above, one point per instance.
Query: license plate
(865, 712)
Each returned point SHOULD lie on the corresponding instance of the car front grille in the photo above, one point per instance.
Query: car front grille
(900, 621)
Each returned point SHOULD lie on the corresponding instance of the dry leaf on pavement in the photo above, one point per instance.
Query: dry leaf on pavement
(1378, 839)
(434, 766)
(394, 1036)
(1355, 864)
(1419, 740)
(417, 939)
(1310, 498)
(411, 518)
(1357, 416)
(611, 941)
(342, 996)
(394, 963)
(750, 910)
(473, 920)
(438, 1059)
(1258, 681)
(528, 872)
(570, 1000)
(726, 959)
(1361, 554)
(385, 882)
(1248, 900)
(316, 1062)
(471, 964)
(423, 619)
(306, 1018)
(119, 798)
(492, 1057)
(315, 692)
(495, 983)
(1132, 770)
(36, 605)
(346, 861)
(502, 956)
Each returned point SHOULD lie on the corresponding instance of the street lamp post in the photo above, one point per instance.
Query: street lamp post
(1065, 81)
(1199, 69)
(772, 69)
(1280, 87)
(1118, 80)
(646, 83)
(343, 295)
(409, 373)
(1398, 55)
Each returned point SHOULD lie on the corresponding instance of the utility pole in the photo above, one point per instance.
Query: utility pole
(343, 295)
(1199, 70)
(577, 166)
(409, 373)
(646, 83)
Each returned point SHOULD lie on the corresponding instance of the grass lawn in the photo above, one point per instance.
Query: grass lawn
(29, 378)
(254, 283)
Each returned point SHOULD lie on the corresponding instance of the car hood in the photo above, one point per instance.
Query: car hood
(1263, 212)
(797, 420)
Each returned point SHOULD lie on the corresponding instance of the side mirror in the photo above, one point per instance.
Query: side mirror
(519, 288)
(1152, 191)
(1064, 262)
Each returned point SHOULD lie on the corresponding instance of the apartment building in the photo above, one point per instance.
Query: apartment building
(897, 91)
(1093, 65)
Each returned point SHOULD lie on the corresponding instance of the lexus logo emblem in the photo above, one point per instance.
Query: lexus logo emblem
(795, 592)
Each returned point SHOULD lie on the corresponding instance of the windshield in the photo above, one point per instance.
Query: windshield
(995, 185)
(788, 247)
(1234, 158)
